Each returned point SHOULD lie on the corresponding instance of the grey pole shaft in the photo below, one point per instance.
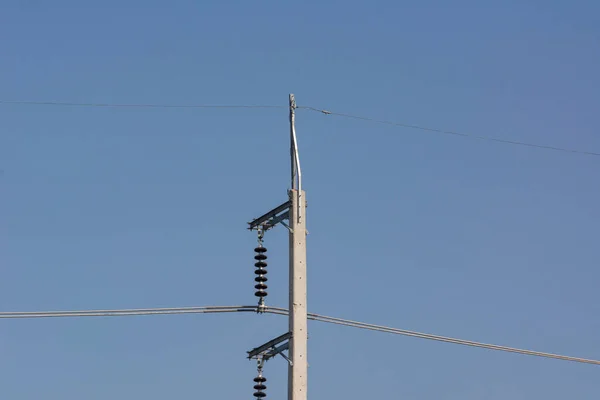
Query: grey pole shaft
(298, 371)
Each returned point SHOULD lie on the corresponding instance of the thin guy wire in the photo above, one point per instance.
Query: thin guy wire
(322, 111)
(112, 105)
(283, 311)
(467, 135)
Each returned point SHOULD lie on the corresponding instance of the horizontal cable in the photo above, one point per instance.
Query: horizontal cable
(128, 312)
(283, 311)
(322, 111)
(467, 135)
(122, 105)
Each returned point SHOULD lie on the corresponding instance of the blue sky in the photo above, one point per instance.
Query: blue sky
(124, 208)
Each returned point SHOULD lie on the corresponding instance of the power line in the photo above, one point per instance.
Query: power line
(438, 338)
(319, 110)
(128, 312)
(116, 105)
(283, 311)
(462, 134)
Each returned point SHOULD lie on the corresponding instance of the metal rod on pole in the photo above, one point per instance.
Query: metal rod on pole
(292, 141)
(294, 154)
(298, 343)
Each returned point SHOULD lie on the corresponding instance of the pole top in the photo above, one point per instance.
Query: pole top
(296, 183)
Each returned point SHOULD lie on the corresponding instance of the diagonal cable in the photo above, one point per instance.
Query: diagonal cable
(454, 133)
(404, 332)
(283, 311)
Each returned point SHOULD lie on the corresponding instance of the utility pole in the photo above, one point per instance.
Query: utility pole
(295, 341)
(298, 370)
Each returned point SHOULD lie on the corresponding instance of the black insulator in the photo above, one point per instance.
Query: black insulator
(260, 387)
(260, 264)
(260, 271)
(260, 286)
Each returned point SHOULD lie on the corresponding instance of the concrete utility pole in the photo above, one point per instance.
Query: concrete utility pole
(298, 370)
(296, 339)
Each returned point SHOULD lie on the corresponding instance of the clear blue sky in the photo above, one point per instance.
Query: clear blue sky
(122, 208)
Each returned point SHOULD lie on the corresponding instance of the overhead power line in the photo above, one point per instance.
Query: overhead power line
(438, 338)
(319, 110)
(128, 312)
(116, 105)
(446, 132)
(283, 311)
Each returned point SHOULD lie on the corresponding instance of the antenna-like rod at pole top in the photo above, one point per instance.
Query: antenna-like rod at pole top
(295, 157)
(296, 171)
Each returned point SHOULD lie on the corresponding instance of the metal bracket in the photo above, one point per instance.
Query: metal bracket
(287, 359)
(277, 350)
(276, 220)
(270, 345)
(270, 349)
(287, 226)
(271, 218)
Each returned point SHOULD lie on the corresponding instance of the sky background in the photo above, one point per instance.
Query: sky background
(127, 208)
